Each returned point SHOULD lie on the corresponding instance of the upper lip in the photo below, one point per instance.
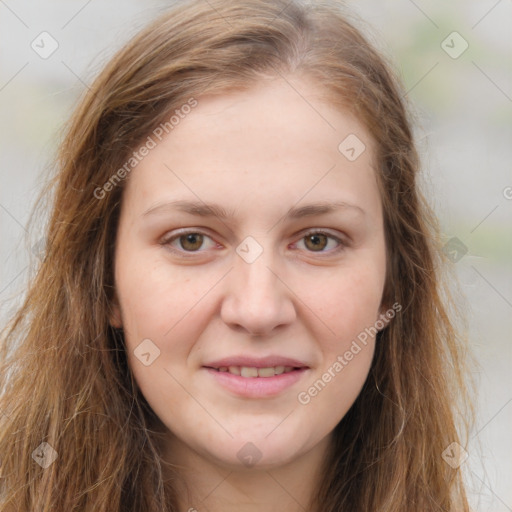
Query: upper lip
(256, 362)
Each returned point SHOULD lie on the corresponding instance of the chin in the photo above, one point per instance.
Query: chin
(259, 454)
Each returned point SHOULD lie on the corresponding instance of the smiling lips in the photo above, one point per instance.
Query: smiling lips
(250, 367)
(256, 378)
(251, 371)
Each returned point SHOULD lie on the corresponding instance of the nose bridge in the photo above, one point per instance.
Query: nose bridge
(256, 299)
(257, 285)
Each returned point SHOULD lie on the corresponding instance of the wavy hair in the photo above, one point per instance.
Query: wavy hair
(64, 377)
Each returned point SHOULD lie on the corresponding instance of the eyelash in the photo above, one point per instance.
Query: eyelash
(166, 241)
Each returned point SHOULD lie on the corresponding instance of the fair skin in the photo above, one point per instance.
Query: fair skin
(257, 154)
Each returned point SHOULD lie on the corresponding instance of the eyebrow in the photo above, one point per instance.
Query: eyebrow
(202, 209)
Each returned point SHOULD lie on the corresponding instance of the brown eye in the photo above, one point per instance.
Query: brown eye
(191, 241)
(316, 242)
(321, 242)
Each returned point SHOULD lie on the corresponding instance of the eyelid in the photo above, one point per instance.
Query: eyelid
(170, 237)
(342, 242)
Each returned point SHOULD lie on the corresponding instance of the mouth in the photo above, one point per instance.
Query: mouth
(256, 378)
(252, 372)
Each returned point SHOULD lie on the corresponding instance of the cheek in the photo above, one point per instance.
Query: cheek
(157, 298)
(165, 306)
(346, 304)
(349, 307)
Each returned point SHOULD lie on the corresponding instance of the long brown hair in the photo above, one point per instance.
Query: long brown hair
(64, 378)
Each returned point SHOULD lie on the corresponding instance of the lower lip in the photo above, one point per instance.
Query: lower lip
(257, 387)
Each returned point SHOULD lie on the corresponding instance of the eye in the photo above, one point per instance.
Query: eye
(319, 241)
(189, 241)
(196, 242)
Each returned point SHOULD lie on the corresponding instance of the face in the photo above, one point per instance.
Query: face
(250, 266)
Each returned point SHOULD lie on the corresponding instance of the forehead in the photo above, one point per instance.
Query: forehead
(279, 140)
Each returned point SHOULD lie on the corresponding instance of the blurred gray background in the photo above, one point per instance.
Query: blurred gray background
(460, 86)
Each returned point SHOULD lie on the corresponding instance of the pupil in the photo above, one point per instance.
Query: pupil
(318, 242)
(192, 241)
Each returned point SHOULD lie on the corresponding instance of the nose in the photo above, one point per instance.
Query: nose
(257, 301)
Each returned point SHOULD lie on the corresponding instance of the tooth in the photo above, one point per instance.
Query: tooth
(266, 372)
(223, 369)
(278, 370)
(235, 370)
(246, 371)
(288, 369)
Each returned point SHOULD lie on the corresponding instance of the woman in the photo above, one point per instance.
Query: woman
(240, 306)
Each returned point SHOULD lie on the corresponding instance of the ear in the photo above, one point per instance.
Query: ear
(383, 319)
(386, 314)
(114, 317)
